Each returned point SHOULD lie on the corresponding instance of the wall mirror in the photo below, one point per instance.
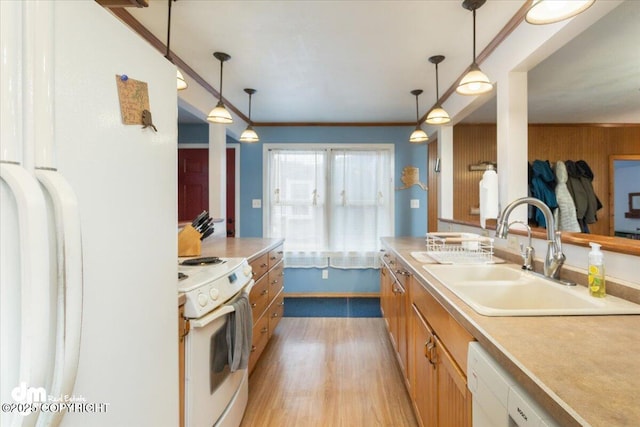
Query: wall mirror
(583, 104)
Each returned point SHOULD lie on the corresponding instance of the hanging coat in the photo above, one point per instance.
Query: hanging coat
(593, 203)
(578, 193)
(566, 219)
(543, 186)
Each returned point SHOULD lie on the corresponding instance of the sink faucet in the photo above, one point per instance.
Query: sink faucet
(555, 258)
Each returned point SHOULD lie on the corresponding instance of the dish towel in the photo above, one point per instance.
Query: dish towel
(240, 333)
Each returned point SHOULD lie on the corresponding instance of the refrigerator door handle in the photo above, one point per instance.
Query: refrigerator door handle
(70, 285)
(34, 277)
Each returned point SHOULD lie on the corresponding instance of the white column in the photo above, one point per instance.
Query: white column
(512, 129)
(445, 153)
(218, 177)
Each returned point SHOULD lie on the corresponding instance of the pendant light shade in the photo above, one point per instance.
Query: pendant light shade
(475, 82)
(249, 135)
(437, 115)
(550, 11)
(181, 83)
(418, 136)
(220, 114)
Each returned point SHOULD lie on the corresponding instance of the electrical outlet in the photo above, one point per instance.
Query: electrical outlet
(414, 203)
(325, 274)
(512, 243)
(256, 203)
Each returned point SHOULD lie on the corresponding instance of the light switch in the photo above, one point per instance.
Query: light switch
(256, 203)
(415, 203)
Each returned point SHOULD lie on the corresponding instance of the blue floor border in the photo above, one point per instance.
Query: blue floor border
(332, 307)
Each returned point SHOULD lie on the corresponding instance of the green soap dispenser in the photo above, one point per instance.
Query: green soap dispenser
(596, 272)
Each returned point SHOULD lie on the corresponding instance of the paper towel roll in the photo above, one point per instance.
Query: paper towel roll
(489, 200)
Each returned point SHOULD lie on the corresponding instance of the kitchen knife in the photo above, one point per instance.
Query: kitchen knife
(203, 214)
(201, 223)
(203, 227)
(207, 233)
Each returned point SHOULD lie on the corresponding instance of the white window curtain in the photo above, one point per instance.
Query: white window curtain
(330, 205)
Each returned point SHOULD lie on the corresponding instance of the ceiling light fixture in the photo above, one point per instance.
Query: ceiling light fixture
(249, 135)
(437, 115)
(550, 11)
(418, 136)
(180, 81)
(475, 82)
(220, 114)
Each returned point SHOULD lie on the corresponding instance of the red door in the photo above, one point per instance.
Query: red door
(193, 182)
(231, 192)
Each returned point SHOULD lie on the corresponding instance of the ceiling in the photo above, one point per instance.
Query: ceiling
(357, 61)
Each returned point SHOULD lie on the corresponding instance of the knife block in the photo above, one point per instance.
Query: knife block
(189, 242)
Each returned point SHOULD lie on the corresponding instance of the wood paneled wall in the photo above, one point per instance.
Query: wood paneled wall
(472, 144)
(592, 143)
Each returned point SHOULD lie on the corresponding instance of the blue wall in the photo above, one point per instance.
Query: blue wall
(408, 222)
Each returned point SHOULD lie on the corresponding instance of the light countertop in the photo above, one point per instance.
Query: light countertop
(585, 370)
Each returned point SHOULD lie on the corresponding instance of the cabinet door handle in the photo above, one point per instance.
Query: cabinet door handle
(274, 315)
(254, 305)
(264, 292)
(253, 348)
(264, 330)
(263, 265)
(429, 348)
(281, 303)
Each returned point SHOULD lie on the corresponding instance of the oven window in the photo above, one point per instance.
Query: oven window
(219, 358)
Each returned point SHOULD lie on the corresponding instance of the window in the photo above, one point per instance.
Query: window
(331, 204)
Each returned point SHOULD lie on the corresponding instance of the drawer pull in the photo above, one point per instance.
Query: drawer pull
(254, 305)
(264, 292)
(263, 265)
(274, 315)
(253, 348)
(273, 258)
(273, 282)
(264, 330)
(281, 303)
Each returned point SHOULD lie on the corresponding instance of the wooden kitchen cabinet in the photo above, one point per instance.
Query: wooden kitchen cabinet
(438, 361)
(394, 280)
(266, 299)
(422, 372)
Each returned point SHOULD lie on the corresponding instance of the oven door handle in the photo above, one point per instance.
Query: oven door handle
(222, 311)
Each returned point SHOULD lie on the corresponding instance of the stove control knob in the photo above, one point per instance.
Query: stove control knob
(247, 271)
(202, 300)
(214, 293)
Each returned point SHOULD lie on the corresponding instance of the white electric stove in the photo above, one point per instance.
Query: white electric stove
(211, 282)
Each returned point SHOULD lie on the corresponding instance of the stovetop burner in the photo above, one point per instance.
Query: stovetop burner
(203, 261)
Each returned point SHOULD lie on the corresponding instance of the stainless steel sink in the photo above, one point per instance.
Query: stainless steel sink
(506, 290)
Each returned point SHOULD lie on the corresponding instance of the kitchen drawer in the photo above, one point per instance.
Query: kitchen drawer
(275, 256)
(276, 311)
(260, 266)
(260, 340)
(453, 336)
(276, 280)
(259, 298)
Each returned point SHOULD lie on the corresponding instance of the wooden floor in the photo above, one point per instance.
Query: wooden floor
(328, 372)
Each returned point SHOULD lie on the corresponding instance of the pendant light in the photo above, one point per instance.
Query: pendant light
(475, 82)
(418, 136)
(249, 135)
(180, 81)
(437, 115)
(550, 11)
(220, 114)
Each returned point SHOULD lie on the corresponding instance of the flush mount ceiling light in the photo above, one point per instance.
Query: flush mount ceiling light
(475, 82)
(418, 136)
(220, 114)
(180, 81)
(437, 115)
(550, 11)
(249, 135)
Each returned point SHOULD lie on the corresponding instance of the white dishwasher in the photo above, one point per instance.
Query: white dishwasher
(498, 401)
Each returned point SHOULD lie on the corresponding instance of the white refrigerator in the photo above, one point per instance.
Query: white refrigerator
(88, 317)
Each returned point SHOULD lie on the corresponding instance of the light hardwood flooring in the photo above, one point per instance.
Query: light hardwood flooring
(328, 372)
